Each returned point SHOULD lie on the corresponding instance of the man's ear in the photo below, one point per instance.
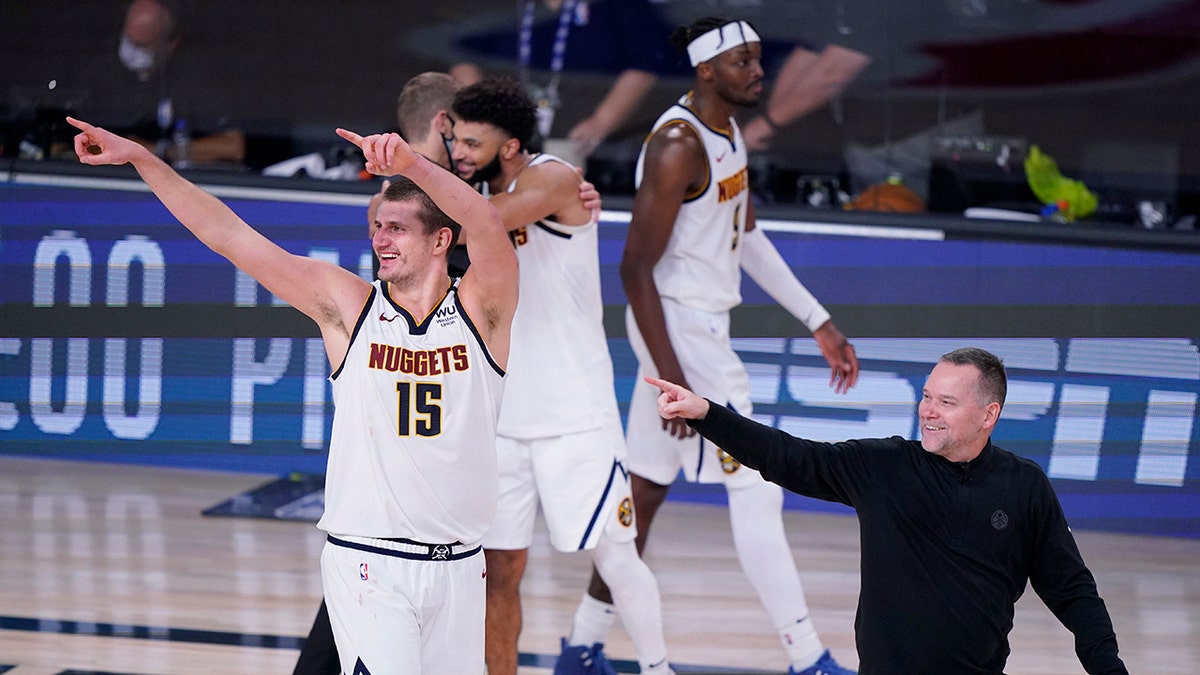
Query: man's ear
(443, 125)
(705, 71)
(510, 148)
(444, 237)
(991, 415)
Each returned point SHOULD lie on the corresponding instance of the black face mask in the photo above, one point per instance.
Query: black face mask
(449, 144)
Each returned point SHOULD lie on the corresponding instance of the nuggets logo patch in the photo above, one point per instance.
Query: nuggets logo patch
(728, 463)
(625, 512)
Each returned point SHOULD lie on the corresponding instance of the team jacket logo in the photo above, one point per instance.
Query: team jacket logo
(625, 512)
(728, 463)
(419, 362)
(999, 519)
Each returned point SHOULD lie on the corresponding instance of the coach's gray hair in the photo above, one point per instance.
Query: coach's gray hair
(993, 382)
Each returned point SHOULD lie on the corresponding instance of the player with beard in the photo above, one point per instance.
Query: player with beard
(692, 232)
(568, 454)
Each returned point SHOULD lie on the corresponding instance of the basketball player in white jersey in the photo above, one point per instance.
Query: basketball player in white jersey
(423, 115)
(418, 364)
(565, 451)
(691, 234)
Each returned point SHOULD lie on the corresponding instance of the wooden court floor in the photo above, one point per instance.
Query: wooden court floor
(109, 568)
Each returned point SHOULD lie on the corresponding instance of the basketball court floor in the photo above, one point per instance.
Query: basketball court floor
(114, 569)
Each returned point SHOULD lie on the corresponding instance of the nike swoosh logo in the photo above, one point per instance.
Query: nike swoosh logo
(385, 317)
(720, 156)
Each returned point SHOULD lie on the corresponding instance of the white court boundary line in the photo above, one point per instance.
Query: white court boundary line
(317, 197)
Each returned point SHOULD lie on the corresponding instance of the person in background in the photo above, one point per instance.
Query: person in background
(691, 234)
(566, 454)
(806, 81)
(952, 527)
(622, 39)
(153, 94)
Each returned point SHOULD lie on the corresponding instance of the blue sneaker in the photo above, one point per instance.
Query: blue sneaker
(824, 666)
(580, 660)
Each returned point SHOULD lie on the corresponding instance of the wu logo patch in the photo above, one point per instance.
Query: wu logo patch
(625, 512)
(999, 520)
(446, 315)
(728, 463)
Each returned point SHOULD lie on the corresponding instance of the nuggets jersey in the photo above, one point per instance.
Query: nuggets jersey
(560, 373)
(413, 450)
(700, 266)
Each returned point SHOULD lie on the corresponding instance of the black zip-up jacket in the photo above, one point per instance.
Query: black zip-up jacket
(947, 548)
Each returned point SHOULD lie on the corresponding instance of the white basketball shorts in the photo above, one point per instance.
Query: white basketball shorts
(581, 481)
(714, 371)
(400, 607)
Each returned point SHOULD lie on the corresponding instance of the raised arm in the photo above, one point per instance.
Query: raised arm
(489, 288)
(674, 165)
(329, 295)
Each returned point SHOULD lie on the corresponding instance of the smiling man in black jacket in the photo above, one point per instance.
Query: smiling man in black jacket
(951, 526)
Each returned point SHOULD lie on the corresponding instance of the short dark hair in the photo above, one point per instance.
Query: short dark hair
(682, 36)
(421, 99)
(501, 102)
(993, 382)
(432, 217)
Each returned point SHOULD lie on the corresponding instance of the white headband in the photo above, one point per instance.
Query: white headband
(716, 41)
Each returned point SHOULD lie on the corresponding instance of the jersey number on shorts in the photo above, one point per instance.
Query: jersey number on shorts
(419, 409)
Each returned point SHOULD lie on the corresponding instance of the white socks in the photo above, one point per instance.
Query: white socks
(635, 594)
(756, 516)
(593, 619)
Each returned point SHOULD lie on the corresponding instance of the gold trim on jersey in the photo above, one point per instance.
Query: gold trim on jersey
(694, 194)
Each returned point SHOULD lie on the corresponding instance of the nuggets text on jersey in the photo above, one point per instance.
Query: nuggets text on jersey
(419, 362)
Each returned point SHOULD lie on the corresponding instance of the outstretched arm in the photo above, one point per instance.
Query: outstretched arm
(675, 401)
(329, 295)
(622, 100)
(806, 81)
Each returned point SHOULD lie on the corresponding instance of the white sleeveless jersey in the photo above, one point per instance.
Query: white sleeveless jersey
(560, 374)
(700, 266)
(413, 450)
